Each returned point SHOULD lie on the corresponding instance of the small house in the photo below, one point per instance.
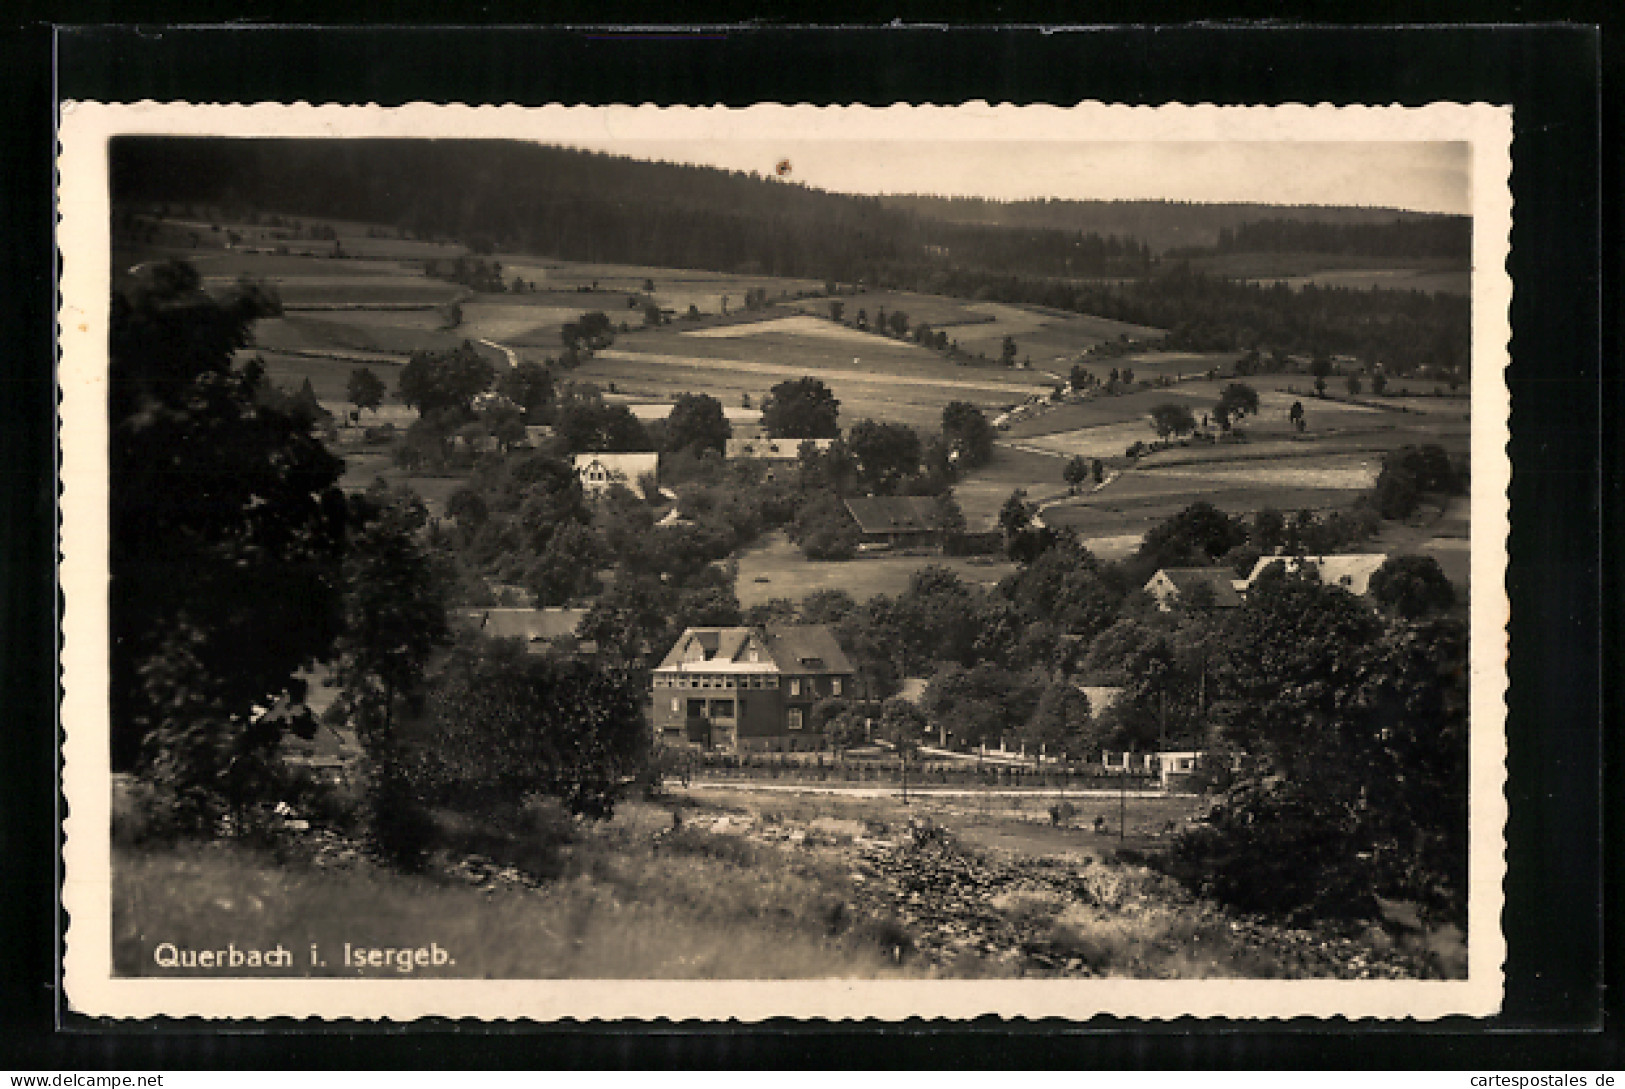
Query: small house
(1194, 588)
(599, 472)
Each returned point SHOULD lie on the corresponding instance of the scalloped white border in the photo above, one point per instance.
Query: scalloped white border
(83, 239)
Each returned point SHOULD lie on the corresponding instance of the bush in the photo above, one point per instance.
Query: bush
(402, 829)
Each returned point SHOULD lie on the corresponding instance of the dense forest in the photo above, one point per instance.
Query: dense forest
(1163, 225)
(585, 206)
(1438, 236)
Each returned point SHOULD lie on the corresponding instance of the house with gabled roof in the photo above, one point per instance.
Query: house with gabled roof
(896, 520)
(599, 472)
(748, 688)
(1352, 572)
(1194, 587)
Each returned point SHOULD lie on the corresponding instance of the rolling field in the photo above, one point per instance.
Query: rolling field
(887, 382)
(777, 569)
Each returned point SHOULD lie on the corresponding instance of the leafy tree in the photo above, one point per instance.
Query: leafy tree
(1235, 401)
(1061, 724)
(567, 568)
(1379, 383)
(1007, 351)
(836, 309)
(1354, 385)
(801, 408)
(697, 422)
(502, 727)
(394, 612)
(1358, 787)
(1016, 515)
(1412, 586)
(651, 315)
(585, 422)
(530, 386)
(1172, 419)
(1097, 469)
(1067, 587)
(886, 453)
(968, 434)
(226, 537)
(1199, 534)
(451, 379)
(1320, 385)
(898, 323)
(588, 333)
(825, 529)
(1076, 472)
(982, 704)
(365, 389)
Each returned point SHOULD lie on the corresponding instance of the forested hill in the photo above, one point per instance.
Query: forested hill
(1162, 225)
(587, 206)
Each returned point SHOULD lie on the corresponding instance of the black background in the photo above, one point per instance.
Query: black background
(1565, 488)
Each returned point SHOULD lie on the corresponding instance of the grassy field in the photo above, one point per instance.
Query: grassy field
(1051, 338)
(777, 569)
(718, 882)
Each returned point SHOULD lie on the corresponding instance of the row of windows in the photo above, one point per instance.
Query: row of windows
(797, 685)
(752, 680)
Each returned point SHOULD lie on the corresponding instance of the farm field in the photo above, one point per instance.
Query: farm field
(981, 492)
(789, 574)
(1049, 337)
(888, 382)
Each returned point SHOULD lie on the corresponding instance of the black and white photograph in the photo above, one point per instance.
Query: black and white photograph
(828, 562)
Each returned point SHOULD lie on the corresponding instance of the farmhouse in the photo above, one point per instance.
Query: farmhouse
(1352, 572)
(599, 473)
(536, 627)
(748, 688)
(896, 520)
(1193, 587)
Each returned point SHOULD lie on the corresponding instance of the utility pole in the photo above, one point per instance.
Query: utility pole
(1122, 803)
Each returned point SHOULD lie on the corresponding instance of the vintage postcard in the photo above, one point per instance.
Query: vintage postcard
(922, 562)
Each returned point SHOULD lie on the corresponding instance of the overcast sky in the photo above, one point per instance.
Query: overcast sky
(1429, 176)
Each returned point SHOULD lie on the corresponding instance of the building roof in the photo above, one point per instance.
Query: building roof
(772, 449)
(531, 625)
(1217, 580)
(785, 648)
(894, 513)
(630, 465)
(1352, 572)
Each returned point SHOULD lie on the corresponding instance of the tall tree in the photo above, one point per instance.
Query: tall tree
(801, 408)
(886, 453)
(366, 390)
(968, 433)
(451, 379)
(1172, 419)
(394, 611)
(226, 536)
(697, 422)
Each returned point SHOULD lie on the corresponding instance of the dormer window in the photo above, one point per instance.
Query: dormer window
(755, 655)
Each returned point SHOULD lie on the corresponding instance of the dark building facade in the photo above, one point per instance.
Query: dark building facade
(748, 689)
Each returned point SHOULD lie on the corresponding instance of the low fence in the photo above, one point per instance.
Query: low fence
(826, 769)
